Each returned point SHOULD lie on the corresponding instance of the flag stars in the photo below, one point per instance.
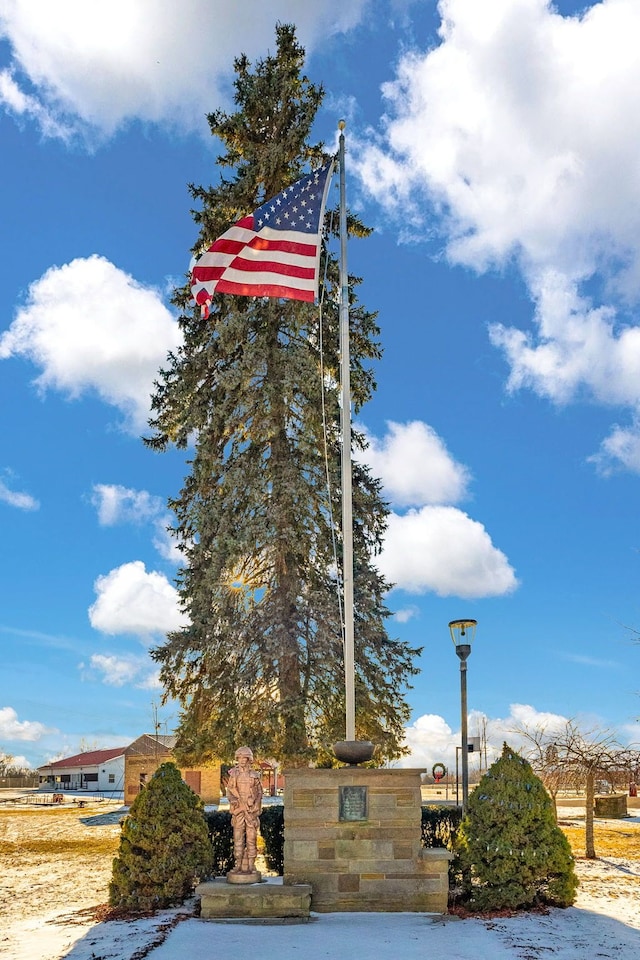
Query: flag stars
(297, 207)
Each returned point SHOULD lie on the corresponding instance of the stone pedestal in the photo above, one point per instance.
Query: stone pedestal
(220, 900)
(611, 805)
(353, 834)
(244, 876)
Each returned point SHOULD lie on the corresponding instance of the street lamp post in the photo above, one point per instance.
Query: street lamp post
(462, 634)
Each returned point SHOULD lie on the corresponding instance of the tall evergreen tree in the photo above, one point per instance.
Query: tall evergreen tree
(261, 659)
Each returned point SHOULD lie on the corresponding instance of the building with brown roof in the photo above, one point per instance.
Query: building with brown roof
(143, 757)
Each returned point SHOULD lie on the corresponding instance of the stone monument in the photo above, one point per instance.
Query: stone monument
(354, 835)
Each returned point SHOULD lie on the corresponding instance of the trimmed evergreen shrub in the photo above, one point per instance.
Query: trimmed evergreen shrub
(511, 851)
(440, 825)
(439, 829)
(272, 832)
(164, 846)
(221, 837)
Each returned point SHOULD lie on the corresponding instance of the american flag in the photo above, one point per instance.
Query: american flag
(274, 252)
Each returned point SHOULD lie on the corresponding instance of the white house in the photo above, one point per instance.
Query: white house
(98, 771)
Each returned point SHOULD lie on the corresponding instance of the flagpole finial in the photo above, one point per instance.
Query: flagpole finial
(341, 124)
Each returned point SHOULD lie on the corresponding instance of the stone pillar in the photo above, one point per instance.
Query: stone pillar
(354, 835)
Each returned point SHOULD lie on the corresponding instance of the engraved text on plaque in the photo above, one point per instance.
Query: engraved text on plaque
(353, 803)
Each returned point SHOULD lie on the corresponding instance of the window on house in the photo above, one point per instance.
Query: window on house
(112, 778)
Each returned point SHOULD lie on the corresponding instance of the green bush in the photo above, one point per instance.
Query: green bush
(439, 829)
(272, 832)
(512, 853)
(440, 825)
(164, 847)
(221, 837)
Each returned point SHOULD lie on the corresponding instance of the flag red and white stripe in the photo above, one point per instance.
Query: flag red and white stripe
(274, 252)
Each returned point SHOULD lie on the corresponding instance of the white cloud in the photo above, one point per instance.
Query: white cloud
(23, 105)
(431, 740)
(130, 600)
(406, 614)
(415, 466)
(97, 66)
(165, 543)
(20, 762)
(118, 671)
(520, 130)
(91, 327)
(621, 449)
(523, 716)
(577, 346)
(441, 549)
(596, 662)
(23, 501)
(435, 548)
(117, 504)
(630, 734)
(151, 681)
(13, 729)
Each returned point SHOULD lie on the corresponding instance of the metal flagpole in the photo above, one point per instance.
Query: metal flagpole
(347, 508)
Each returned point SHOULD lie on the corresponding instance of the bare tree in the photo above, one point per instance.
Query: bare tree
(6, 761)
(571, 756)
(9, 768)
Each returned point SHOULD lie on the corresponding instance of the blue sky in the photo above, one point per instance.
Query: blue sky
(494, 148)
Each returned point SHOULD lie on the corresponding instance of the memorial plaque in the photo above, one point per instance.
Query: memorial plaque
(353, 803)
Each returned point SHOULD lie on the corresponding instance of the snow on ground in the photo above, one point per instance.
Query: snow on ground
(48, 911)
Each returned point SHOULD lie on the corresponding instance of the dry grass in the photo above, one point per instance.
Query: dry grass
(69, 849)
(67, 834)
(611, 840)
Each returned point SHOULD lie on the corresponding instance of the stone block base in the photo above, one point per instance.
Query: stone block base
(611, 805)
(221, 900)
(354, 835)
(419, 886)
